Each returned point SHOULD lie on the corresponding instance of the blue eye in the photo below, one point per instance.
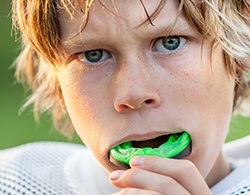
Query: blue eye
(169, 44)
(94, 56)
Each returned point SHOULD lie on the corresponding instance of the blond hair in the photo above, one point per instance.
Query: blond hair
(226, 21)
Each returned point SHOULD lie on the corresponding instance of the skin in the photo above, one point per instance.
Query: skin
(139, 91)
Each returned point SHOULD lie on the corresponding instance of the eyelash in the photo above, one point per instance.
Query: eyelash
(162, 49)
(103, 55)
(83, 56)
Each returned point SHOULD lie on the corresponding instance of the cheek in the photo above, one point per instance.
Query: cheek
(207, 118)
(209, 102)
(89, 108)
(200, 89)
(199, 97)
(78, 104)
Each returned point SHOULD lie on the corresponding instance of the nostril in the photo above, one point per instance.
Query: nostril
(134, 103)
(122, 107)
(149, 101)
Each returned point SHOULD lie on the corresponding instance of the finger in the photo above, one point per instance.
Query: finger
(182, 171)
(134, 191)
(143, 179)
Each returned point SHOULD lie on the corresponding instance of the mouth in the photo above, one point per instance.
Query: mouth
(175, 146)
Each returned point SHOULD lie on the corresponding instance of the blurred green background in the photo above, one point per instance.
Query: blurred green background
(16, 129)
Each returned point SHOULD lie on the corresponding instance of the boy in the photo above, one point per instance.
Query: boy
(132, 71)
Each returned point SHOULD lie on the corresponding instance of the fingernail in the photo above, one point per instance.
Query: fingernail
(136, 161)
(115, 175)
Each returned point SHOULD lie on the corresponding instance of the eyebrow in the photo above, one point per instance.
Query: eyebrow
(179, 24)
(80, 40)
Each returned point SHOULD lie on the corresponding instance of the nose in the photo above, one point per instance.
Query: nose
(136, 88)
(136, 101)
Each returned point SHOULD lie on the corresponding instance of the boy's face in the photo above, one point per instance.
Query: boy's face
(137, 84)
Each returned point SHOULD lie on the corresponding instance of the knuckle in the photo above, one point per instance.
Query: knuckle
(127, 191)
(154, 193)
(131, 175)
(132, 172)
(188, 165)
(185, 166)
(168, 182)
(151, 161)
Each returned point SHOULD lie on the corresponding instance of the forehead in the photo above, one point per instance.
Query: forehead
(121, 14)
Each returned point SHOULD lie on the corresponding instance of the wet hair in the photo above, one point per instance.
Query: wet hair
(227, 22)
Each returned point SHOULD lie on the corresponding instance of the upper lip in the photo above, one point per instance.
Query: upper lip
(144, 137)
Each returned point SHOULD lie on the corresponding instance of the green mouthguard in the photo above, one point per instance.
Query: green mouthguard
(172, 147)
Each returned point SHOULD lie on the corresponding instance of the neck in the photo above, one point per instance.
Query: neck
(220, 170)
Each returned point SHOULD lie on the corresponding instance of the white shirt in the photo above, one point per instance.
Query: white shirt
(52, 168)
(55, 168)
(238, 181)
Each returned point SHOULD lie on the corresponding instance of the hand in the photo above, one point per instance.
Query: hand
(160, 176)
